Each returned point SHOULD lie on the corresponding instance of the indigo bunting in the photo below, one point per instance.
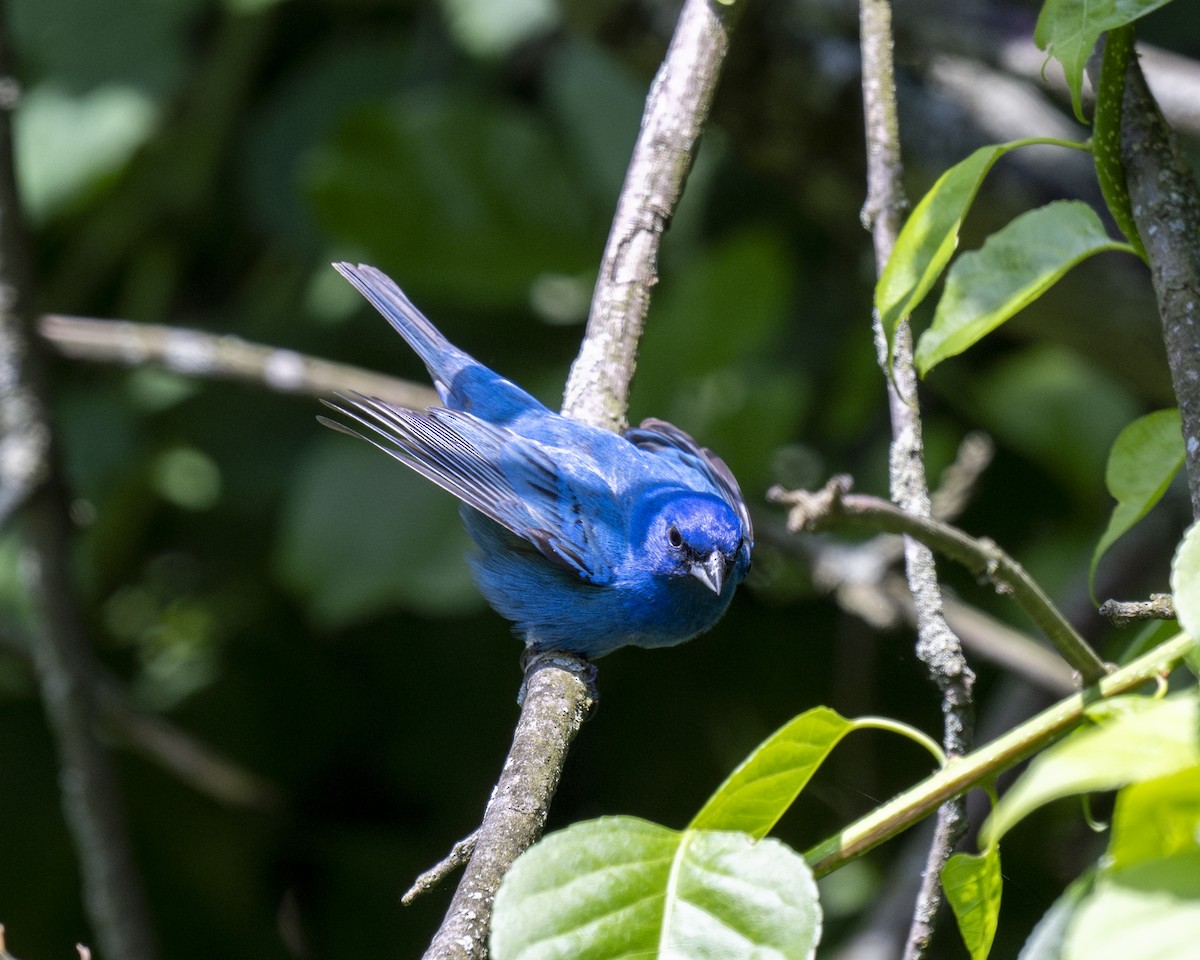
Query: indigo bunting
(587, 540)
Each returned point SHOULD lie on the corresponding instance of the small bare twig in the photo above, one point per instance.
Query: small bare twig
(1160, 606)
(458, 856)
(937, 646)
(834, 505)
(195, 353)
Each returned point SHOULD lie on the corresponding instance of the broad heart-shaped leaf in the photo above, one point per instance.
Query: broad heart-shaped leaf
(1015, 266)
(767, 782)
(1069, 29)
(1135, 739)
(623, 887)
(973, 885)
(930, 234)
(1151, 909)
(1185, 581)
(1144, 459)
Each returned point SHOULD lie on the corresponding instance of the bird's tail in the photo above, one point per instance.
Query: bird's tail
(441, 357)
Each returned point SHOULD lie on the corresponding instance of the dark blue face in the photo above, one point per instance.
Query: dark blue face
(696, 535)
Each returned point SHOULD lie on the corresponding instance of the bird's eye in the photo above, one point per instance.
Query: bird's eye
(674, 537)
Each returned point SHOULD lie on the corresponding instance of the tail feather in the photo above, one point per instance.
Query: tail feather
(462, 382)
(440, 356)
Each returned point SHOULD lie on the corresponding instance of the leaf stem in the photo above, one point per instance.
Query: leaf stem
(980, 766)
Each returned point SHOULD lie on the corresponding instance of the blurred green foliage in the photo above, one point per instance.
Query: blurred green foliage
(299, 602)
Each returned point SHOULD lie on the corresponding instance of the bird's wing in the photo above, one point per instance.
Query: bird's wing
(660, 437)
(488, 467)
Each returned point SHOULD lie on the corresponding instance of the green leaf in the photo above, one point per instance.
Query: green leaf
(767, 782)
(621, 887)
(1046, 940)
(1151, 909)
(1014, 267)
(433, 179)
(973, 886)
(1144, 459)
(1135, 739)
(1185, 581)
(930, 234)
(362, 534)
(1106, 134)
(1156, 818)
(1069, 29)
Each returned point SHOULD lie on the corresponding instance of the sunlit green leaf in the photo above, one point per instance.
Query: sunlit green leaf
(1144, 459)
(1046, 940)
(930, 234)
(1156, 818)
(1137, 739)
(1106, 134)
(1185, 580)
(973, 886)
(767, 782)
(1151, 909)
(1015, 266)
(1069, 29)
(622, 887)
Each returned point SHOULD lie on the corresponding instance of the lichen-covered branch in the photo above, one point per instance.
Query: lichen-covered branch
(937, 646)
(557, 701)
(62, 655)
(676, 109)
(1166, 208)
(558, 690)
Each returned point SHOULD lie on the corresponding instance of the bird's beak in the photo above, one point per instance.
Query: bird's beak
(710, 571)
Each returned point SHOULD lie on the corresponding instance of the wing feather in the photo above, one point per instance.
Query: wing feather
(465, 456)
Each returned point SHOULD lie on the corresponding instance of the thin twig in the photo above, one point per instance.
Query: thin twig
(195, 353)
(193, 762)
(835, 506)
(62, 655)
(1160, 606)
(937, 646)
(458, 856)
(1166, 208)
(558, 690)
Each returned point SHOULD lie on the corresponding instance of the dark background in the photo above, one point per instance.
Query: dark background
(299, 602)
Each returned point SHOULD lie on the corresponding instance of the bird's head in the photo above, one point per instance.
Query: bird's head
(696, 535)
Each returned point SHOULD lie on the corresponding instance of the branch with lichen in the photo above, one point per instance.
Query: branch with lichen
(558, 689)
(937, 645)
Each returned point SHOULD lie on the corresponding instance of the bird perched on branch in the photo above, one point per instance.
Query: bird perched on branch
(588, 540)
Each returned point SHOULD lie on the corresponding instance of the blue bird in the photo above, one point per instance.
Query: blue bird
(587, 540)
